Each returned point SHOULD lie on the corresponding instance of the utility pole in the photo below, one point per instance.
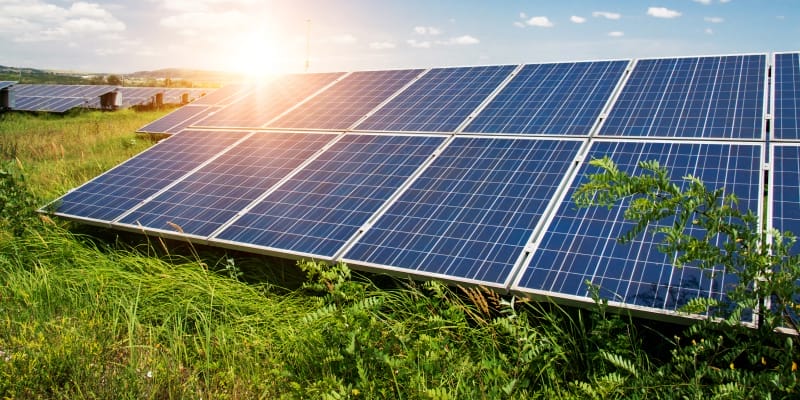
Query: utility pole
(308, 44)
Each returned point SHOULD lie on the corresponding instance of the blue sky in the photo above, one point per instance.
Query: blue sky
(251, 35)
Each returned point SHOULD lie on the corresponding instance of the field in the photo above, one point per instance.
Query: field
(90, 313)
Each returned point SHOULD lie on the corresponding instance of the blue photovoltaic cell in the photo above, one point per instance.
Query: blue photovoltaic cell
(5, 84)
(341, 105)
(118, 190)
(179, 119)
(786, 189)
(786, 110)
(471, 212)
(580, 245)
(698, 97)
(318, 210)
(439, 101)
(211, 196)
(223, 96)
(564, 98)
(265, 102)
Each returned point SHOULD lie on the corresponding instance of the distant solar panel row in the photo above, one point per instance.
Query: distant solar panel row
(462, 174)
(57, 98)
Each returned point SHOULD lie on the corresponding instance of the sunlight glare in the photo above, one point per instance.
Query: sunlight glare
(257, 55)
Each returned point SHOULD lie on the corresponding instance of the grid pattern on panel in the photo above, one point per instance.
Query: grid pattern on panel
(263, 103)
(123, 187)
(340, 106)
(562, 98)
(318, 210)
(580, 245)
(177, 120)
(699, 97)
(439, 101)
(472, 211)
(786, 113)
(221, 96)
(211, 196)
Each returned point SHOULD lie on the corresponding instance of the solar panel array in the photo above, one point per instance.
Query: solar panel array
(7, 84)
(57, 98)
(462, 174)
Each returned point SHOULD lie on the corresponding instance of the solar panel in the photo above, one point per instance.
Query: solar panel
(179, 119)
(263, 103)
(563, 99)
(693, 97)
(7, 84)
(57, 98)
(320, 208)
(123, 187)
(223, 96)
(785, 190)
(212, 195)
(471, 213)
(440, 101)
(579, 245)
(786, 103)
(341, 105)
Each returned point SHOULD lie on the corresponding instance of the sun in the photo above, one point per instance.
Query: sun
(257, 55)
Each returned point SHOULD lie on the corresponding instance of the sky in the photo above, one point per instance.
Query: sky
(263, 36)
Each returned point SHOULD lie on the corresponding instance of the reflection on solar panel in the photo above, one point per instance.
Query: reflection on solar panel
(349, 100)
(785, 191)
(325, 204)
(439, 101)
(110, 195)
(471, 213)
(263, 103)
(786, 105)
(697, 97)
(57, 98)
(211, 196)
(179, 119)
(564, 98)
(5, 84)
(580, 245)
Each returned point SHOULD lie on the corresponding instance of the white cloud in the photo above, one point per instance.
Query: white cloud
(709, 31)
(382, 45)
(522, 15)
(419, 44)
(576, 19)
(519, 24)
(724, 1)
(427, 30)
(190, 24)
(704, 2)
(342, 39)
(662, 12)
(616, 34)
(37, 21)
(714, 20)
(540, 21)
(606, 15)
(460, 40)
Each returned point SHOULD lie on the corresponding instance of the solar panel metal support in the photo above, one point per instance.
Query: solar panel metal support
(182, 178)
(388, 99)
(275, 187)
(488, 99)
(392, 199)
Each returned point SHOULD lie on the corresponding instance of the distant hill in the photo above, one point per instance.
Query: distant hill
(168, 77)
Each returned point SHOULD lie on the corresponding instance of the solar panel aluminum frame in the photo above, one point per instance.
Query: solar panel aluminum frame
(206, 240)
(634, 310)
(418, 274)
(296, 255)
(265, 125)
(772, 98)
(764, 109)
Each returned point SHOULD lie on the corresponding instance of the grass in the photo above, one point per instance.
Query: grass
(88, 313)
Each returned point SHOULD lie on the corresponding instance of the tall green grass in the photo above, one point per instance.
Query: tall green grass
(86, 313)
